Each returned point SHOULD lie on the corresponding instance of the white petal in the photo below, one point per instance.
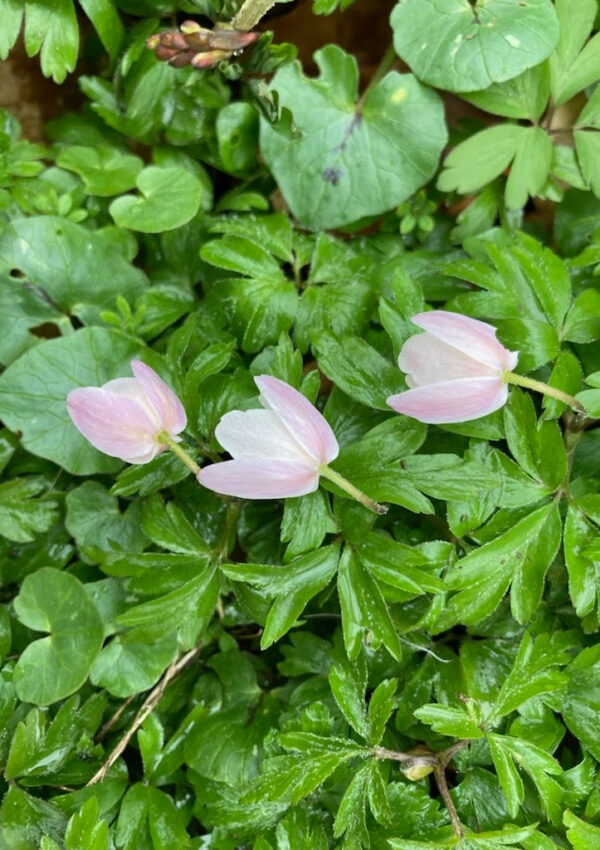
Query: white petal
(248, 434)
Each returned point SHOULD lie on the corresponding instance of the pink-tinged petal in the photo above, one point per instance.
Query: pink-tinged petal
(428, 360)
(474, 338)
(452, 401)
(259, 479)
(248, 434)
(115, 424)
(170, 410)
(301, 418)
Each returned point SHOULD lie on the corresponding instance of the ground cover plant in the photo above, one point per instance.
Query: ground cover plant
(300, 456)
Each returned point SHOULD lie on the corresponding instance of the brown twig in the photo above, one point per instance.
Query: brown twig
(149, 704)
(112, 720)
(440, 778)
(438, 762)
(407, 760)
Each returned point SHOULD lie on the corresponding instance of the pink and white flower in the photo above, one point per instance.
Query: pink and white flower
(125, 417)
(455, 369)
(277, 451)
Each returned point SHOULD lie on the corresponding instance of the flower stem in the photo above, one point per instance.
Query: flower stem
(545, 389)
(250, 14)
(353, 491)
(177, 450)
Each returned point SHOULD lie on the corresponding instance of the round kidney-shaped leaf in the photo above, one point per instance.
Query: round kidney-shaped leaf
(105, 171)
(56, 666)
(33, 392)
(466, 46)
(348, 159)
(65, 269)
(170, 197)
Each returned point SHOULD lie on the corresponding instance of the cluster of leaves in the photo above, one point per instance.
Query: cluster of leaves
(186, 671)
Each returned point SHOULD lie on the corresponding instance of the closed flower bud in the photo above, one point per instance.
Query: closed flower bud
(456, 369)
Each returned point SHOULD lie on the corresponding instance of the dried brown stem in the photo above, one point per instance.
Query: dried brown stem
(439, 761)
(149, 704)
(112, 720)
(440, 778)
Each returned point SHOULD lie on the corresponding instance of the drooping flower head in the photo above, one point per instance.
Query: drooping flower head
(455, 369)
(277, 451)
(124, 417)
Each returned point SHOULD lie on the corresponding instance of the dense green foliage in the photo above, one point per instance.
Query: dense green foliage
(183, 670)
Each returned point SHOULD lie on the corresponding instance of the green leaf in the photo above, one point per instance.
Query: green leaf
(294, 776)
(53, 30)
(39, 748)
(34, 389)
(11, 13)
(508, 776)
(566, 376)
(56, 666)
(473, 164)
(363, 607)
(520, 556)
(397, 565)
(128, 666)
(449, 720)
(582, 566)
(148, 478)
(537, 447)
(165, 821)
(583, 319)
(185, 611)
(237, 133)
(575, 65)
(348, 683)
(107, 23)
(469, 47)
(525, 96)
(291, 586)
(357, 368)
(539, 766)
(66, 268)
(21, 514)
(168, 527)
(581, 835)
(105, 171)
(86, 830)
(381, 705)
(322, 168)
(306, 521)
(24, 819)
(376, 463)
(508, 836)
(530, 168)
(588, 150)
(532, 672)
(169, 198)
(94, 519)
(581, 701)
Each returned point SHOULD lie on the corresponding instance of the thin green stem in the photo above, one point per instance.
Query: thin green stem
(250, 14)
(353, 491)
(387, 60)
(177, 450)
(545, 389)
